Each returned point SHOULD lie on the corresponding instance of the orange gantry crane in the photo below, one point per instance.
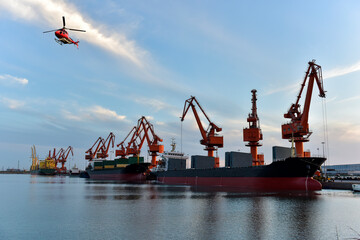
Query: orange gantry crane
(100, 148)
(131, 147)
(153, 143)
(143, 130)
(210, 139)
(253, 133)
(62, 157)
(91, 152)
(104, 149)
(297, 130)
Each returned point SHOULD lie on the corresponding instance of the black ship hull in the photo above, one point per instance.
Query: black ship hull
(133, 173)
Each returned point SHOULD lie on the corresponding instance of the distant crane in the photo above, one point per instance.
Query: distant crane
(210, 139)
(297, 130)
(34, 158)
(62, 157)
(131, 148)
(104, 149)
(91, 152)
(153, 142)
(143, 131)
(253, 133)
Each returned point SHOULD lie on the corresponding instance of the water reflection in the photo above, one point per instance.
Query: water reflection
(127, 197)
(208, 216)
(207, 213)
(111, 210)
(34, 179)
(257, 218)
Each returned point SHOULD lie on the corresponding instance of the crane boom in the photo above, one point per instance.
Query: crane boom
(92, 153)
(140, 133)
(210, 139)
(122, 151)
(298, 128)
(145, 127)
(63, 157)
(104, 149)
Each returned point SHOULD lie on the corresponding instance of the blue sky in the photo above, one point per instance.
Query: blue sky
(145, 58)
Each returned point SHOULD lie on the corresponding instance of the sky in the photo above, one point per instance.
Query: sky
(145, 58)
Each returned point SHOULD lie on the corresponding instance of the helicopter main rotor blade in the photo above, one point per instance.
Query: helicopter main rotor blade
(72, 29)
(63, 21)
(51, 31)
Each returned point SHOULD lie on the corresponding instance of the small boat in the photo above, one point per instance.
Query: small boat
(74, 171)
(356, 187)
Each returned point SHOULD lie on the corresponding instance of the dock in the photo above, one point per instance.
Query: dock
(340, 184)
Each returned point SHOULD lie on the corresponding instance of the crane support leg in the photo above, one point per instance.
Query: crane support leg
(254, 154)
(299, 146)
(153, 160)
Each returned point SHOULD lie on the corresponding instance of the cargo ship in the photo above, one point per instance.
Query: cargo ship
(289, 174)
(42, 167)
(130, 170)
(47, 167)
(293, 172)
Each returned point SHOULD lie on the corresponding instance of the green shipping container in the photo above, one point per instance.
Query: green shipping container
(107, 163)
(130, 160)
(122, 161)
(98, 163)
(133, 160)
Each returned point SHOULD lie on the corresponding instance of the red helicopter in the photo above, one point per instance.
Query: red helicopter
(63, 36)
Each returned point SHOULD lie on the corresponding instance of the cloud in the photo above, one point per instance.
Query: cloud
(10, 80)
(155, 104)
(346, 132)
(288, 88)
(12, 103)
(349, 99)
(94, 113)
(336, 72)
(270, 128)
(149, 118)
(50, 13)
(340, 71)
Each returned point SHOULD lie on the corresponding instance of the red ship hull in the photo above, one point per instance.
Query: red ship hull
(291, 174)
(122, 177)
(247, 183)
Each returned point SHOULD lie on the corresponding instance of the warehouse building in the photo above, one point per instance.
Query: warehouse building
(344, 170)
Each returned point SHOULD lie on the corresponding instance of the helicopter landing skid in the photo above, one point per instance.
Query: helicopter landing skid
(58, 41)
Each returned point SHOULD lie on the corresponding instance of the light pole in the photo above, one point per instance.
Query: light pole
(325, 172)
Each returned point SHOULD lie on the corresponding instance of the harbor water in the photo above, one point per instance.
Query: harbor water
(61, 207)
